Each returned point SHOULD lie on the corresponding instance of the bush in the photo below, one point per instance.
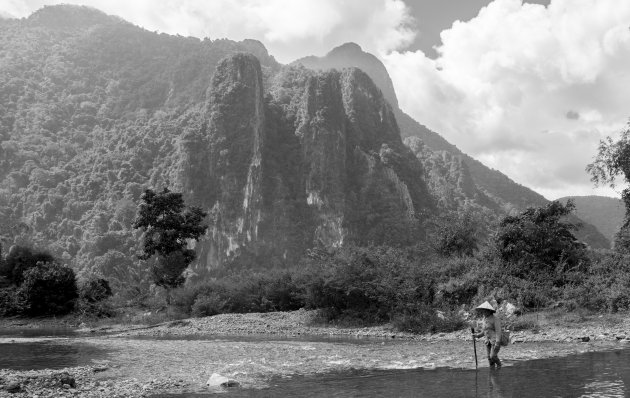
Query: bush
(11, 302)
(93, 298)
(49, 289)
(369, 285)
(19, 260)
(207, 305)
(95, 290)
(606, 285)
(524, 322)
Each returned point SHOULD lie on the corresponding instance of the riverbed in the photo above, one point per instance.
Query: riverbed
(133, 366)
(267, 355)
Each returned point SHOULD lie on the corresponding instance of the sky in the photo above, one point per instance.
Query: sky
(528, 88)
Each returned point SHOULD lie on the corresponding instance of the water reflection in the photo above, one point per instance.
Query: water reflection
(38, 332)
(598, 374)
(33, 355)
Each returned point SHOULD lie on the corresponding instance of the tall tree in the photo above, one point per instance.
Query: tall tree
(611, 162)
(538, 241)
(168, 226)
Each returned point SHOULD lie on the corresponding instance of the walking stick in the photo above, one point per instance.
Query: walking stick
(474, 345)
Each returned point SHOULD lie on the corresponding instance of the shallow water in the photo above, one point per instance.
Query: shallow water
(38, 332)
(268, 366)
(595, 374)
(35, 354)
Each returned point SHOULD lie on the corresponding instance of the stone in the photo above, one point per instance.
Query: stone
(216, 380)
(102, 368)
(65, 378)
(13, 388)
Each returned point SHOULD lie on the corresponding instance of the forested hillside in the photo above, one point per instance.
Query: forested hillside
(96, 110)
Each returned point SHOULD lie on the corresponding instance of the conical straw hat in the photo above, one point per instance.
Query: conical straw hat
(486, 306)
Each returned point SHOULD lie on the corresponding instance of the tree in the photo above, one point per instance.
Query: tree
(168, 226)
(457, 233)
(537, 241)
(49, 289)
(19, 260)
(612, 161)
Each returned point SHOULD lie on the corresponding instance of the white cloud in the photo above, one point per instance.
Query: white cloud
(505, 81)
(289, 28)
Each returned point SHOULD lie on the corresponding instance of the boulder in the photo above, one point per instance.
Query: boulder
(217, 380)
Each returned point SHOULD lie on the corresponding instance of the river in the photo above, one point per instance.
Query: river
(321, 367)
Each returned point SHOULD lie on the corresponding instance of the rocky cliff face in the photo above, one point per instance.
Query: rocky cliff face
(317, 162)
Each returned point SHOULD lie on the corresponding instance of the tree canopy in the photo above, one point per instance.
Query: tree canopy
(611, 162)
(168, 225)
(539, 241)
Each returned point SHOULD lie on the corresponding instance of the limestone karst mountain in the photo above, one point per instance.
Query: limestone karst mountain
(95, 110)
(454, 177)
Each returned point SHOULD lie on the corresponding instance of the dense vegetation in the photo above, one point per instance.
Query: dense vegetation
(312, 199)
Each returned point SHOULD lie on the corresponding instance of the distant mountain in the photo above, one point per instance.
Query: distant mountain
(605, 213)
(486, 187)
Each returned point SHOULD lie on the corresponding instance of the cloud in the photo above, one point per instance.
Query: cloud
(289, 28)
(527, 89)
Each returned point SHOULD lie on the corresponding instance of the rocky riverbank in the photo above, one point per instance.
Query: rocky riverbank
(180, 356)
(304, 323)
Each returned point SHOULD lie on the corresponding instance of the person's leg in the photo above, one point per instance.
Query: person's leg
(489, 351)
(495, 354)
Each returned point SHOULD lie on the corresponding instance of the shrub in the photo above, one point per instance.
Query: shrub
(606, 285)
(11, 302)
(95, 290)
(93, 298)
(20, 259)
(367, 284)
(49, 289)
(207, 305)
(524, 322)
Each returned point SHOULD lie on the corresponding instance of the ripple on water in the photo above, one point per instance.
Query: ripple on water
(597, 374)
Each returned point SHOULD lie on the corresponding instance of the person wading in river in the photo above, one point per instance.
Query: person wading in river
(491, 330)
